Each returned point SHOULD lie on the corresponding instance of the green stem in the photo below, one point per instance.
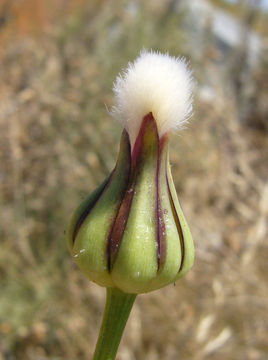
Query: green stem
(117, 310)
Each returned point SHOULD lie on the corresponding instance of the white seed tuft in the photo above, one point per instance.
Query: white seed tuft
(156, 83)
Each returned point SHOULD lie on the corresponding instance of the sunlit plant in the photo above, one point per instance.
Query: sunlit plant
(130, 234)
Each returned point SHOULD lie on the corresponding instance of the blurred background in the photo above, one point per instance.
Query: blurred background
(58, 63)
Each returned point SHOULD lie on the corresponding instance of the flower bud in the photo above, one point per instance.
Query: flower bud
(130, 233)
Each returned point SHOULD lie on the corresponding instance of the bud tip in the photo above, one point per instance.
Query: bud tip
(156, 83)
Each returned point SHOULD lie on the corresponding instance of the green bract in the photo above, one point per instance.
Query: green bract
(130, 233)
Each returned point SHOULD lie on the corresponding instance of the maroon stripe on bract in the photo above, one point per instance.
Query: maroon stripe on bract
(106, 185)
(136, 152)
(178, 224)
(120, 223)
(88, 209)
(118, 228)
(161, 227)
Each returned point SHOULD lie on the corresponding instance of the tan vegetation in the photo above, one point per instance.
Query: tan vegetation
(58, 142)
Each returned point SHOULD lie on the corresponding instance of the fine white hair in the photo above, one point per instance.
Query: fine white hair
(156, 83)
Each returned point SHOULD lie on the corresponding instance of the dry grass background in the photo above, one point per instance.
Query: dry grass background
(58, 142)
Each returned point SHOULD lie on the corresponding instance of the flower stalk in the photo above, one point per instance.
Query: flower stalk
(117, 309)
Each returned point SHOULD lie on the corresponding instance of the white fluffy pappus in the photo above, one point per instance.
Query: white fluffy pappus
(156, 83)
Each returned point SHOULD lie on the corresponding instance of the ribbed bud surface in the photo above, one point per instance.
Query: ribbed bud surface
(131, 232)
